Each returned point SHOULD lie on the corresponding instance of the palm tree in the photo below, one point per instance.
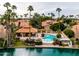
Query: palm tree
(1, 21)
(7, 5)
(71, 16)
(16, 17)
(14, 7)
(25, 15)
(13, 13)
(62, 17)
(58, 10)
(43, 14)
(7, 16)
(30, 8)
(52, 14)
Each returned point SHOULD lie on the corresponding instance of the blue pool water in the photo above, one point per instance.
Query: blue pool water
(49, 38)
(39, 52)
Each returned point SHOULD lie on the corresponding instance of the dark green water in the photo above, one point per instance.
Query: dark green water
(38, 52)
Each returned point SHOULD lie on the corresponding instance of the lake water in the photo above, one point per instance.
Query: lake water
(38, 52)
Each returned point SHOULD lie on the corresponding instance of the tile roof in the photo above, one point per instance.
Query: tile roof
(75, 28)
(26, 30)
(47, 22)
(23, 23)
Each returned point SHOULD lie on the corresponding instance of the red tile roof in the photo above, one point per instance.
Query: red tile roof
(23, 23)
(26, 30)
(75, 28)
(47, 22)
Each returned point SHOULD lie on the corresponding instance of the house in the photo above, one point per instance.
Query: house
(23, 33)
(25, 30)
(46, 24)
(22, 23)
(75, 28)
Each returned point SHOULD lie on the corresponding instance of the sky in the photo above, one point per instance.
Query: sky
(68, 8)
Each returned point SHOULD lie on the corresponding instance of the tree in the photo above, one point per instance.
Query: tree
(69, 33)
(71, 16)
(58, 10)
(25, 15)
(45, 18)
(36, 21)
(38, 42)
(67, 21)
(58, 35)
(14, 7)
(16, 17)
(62, 17)
(43, 14)
(52, 14)
(7, 5)
(8, 22)
(30, 8)
(57, 27)
(7, 18)
(13, 13)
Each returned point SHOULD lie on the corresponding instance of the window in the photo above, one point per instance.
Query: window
(18, 34)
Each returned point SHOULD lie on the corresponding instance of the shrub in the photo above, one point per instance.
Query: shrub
(77, 39)
(38, 42)
(69, 33)
(16, 39)
(58, 35)
(73, 40)
(67, 21)
(64, 45)
(56, 42)
(2, 39)
(77, 42)
(27, 41)
(73, 23)
(31, 41)
(1, 42)
(58, 26)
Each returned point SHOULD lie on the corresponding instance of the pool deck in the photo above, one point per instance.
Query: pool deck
(45, 46)
(49, 46)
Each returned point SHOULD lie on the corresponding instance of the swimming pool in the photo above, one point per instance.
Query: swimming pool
(48, 38)
(38, 52)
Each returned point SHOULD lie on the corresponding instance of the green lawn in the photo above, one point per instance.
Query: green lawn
(19, 44)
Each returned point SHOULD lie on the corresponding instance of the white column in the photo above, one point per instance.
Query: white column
(22, 35)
